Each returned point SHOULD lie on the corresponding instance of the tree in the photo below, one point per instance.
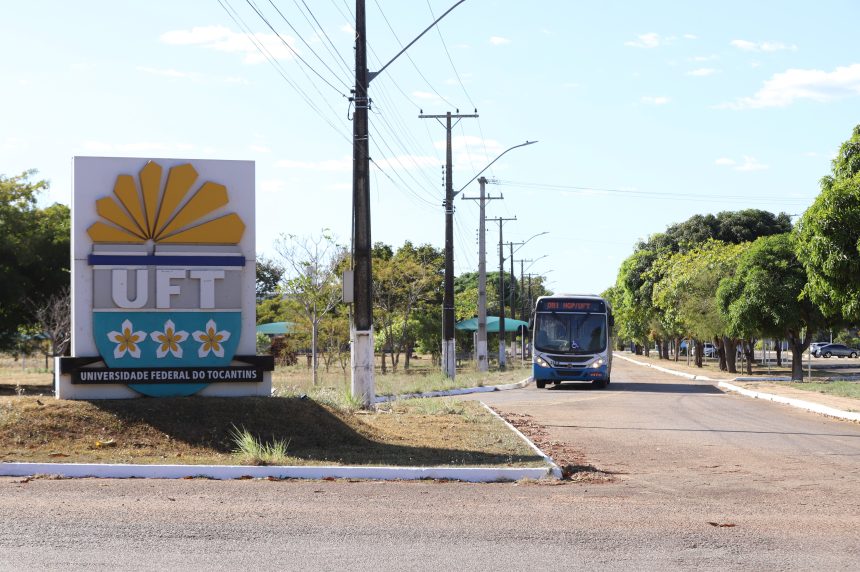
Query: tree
(405, 284)
(765, 297)
(53, 318)
(311, 278)
(269, 275)
(34, 252)
(828, 237)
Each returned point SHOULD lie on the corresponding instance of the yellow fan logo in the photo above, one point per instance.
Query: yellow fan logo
(166, 216)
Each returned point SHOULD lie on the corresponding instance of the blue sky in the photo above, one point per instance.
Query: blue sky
(646, 112)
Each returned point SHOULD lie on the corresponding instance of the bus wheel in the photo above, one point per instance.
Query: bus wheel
(540, 384)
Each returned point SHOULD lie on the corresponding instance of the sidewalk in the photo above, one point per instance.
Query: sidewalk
(846, 408)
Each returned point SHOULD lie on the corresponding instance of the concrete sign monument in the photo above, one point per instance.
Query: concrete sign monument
(163, 281)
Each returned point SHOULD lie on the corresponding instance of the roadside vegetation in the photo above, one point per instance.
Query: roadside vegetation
(280, 430)
(737, 277)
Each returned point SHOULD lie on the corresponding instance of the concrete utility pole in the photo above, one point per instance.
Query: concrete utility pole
(362, 336)
(502, 334)
(513, 285)
(449, 354)
(362, 327)
(482, 356)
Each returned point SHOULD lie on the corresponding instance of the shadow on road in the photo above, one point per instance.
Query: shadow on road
(692, 388)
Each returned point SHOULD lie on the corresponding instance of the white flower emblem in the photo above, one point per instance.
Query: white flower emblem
(211, 340)
(169, 340)
(126, 341)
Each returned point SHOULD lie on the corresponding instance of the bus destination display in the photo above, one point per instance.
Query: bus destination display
(571, 306)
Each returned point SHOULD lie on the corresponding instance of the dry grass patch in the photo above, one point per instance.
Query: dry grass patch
(197, 430)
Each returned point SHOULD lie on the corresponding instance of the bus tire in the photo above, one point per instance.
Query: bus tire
(540, 384)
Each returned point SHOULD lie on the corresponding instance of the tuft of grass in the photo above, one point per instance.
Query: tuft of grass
(436, 406)
(252, 451)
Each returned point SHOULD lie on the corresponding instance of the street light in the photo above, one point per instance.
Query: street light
(483, 363)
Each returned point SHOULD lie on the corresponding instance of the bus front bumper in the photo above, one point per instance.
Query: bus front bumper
(541, 373)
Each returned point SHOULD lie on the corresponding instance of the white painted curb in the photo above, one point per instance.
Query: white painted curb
(799, 403)
(221, 472)
(554, 469)
(450, 392)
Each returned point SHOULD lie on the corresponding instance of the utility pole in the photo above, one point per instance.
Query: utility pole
(513, 289)
(449, 355)
(482, 356)
(362, 342)
(513, 278)
(502, 334)
(362, 324)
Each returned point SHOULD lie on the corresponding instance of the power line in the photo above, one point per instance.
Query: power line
(293, 28)
(333, 51)
(289, 47)
(451, 61)
(252, 36)
(417, 69)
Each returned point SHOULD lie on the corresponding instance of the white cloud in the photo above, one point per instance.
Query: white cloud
(259, 149)
(348, 29)
(691, 37)
(702, 72)
(223, 39)
(747, 46)
(749, 164)
(655, 100)
(785, 88)
(650, 40)
(499, 40)
(704, 58)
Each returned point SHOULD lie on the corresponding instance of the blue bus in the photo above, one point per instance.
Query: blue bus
(572, 340)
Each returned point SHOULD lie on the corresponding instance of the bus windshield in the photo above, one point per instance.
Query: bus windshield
(570, 333)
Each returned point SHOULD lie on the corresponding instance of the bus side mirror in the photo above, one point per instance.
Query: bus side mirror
(611, 321)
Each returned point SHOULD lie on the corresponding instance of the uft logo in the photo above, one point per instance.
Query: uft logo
(166, 272)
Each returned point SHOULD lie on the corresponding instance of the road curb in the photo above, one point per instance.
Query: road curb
(450, 392)
(799, 403)
(226, 472)
(554, 469)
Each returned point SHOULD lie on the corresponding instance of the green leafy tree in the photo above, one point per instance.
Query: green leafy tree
(828, 237)
(765, 297)
(406, 283)
(34, 253)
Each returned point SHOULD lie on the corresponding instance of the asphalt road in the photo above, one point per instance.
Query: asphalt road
(683, 456)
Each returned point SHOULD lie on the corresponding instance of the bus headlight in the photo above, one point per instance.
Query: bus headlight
(597, 363)
(541, 362)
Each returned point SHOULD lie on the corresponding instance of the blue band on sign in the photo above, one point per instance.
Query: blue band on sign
(153, 260)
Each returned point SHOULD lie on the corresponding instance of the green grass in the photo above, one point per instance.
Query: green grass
(252, 451)
(837, 388)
